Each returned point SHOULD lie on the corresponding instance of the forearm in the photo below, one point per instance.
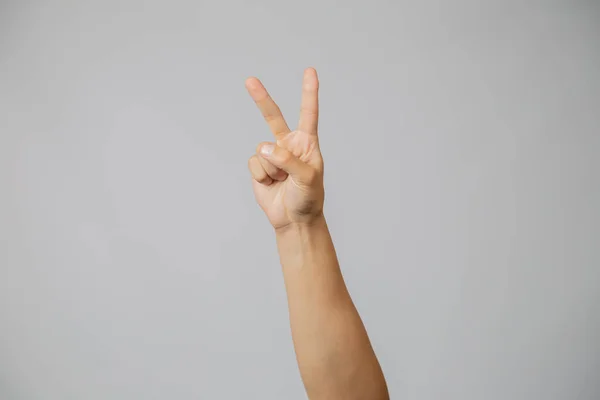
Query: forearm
(334, 354)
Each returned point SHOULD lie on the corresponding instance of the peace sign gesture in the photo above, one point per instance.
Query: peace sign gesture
(288, 173)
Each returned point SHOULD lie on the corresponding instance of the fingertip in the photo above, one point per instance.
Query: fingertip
(311, 71)
(252, 82)
(265, 148)
(311, 79)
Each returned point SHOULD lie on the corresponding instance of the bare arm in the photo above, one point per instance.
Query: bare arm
(334, 354)
(332, 347)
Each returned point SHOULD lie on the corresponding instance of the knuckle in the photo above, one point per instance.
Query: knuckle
(263, 178)
(308, 111)
(260, 176)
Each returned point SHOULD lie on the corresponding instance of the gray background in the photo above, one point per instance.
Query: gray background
(461, 146)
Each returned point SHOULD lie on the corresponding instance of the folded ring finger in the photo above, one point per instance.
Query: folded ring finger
(258, 172)
(275, 173)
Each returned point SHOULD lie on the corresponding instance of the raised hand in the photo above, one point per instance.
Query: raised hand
(288, 173)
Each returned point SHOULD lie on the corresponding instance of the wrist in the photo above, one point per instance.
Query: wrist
(315, 222)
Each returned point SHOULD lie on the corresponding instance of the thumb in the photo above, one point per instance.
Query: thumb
(285, 160)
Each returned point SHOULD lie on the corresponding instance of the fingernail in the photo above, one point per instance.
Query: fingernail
(267, 149)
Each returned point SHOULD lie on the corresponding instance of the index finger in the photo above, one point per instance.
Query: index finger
(269, 109)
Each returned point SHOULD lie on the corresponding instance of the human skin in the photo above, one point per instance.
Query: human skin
(333, 351)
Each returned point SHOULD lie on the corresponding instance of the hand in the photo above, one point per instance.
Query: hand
(288, 173)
